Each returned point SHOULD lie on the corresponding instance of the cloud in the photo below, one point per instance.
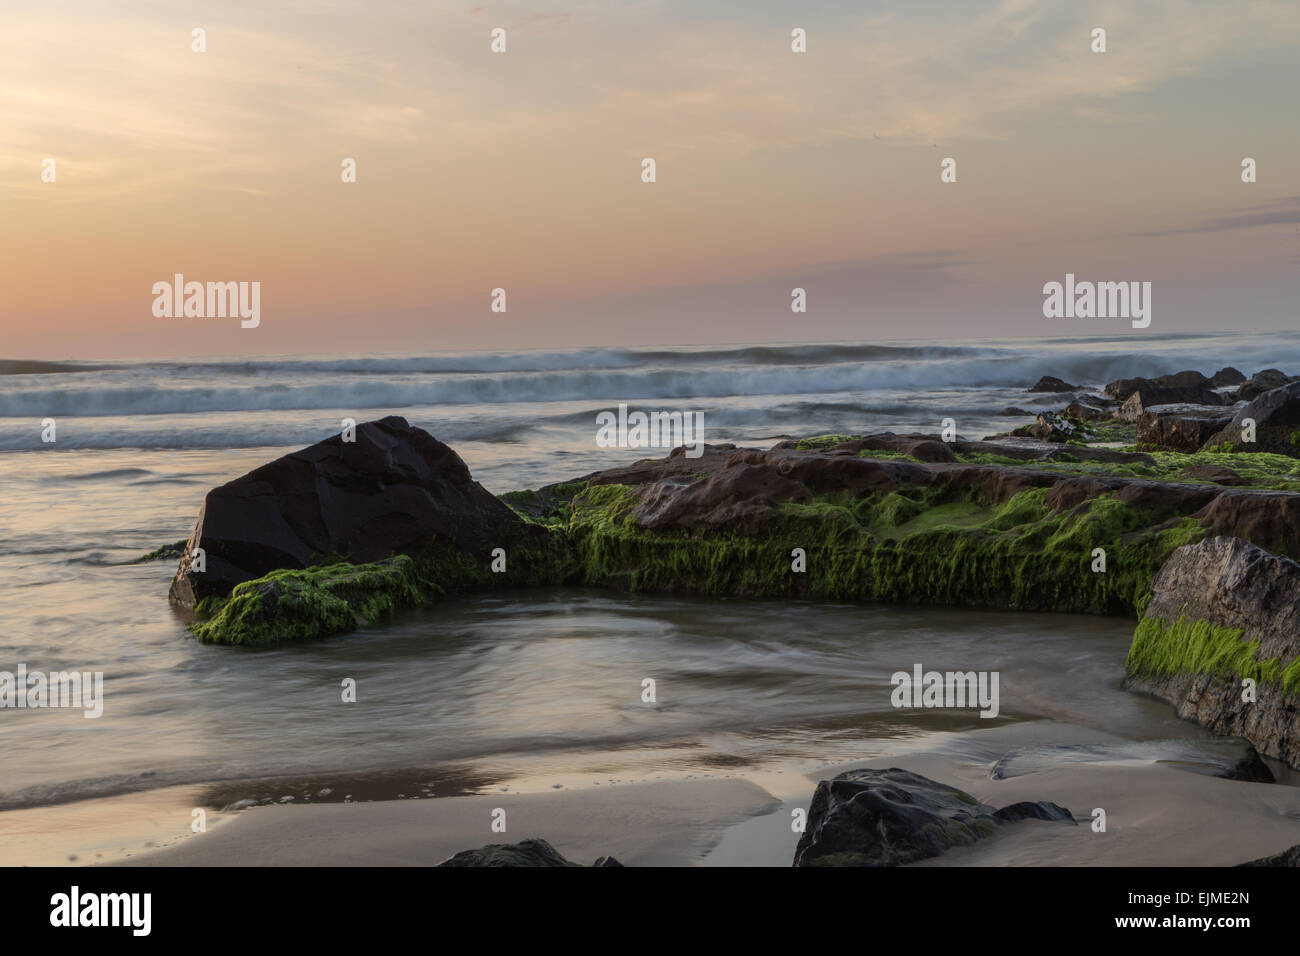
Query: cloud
(1283, 211)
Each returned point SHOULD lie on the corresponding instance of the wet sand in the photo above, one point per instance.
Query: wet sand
(651, 824)
(1157, 815)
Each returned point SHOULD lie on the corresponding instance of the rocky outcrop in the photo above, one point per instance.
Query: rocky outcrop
(1182, 428)
(524, 853)
(395, 489)
(1049, 383)
(894, 817)
(1261, 382)
(1225, 615)
(1226, 377)
(343, 535)
(1276, 414)
(1179, 388)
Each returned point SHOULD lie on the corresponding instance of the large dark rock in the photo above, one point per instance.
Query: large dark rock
(1227, 376)
(893, 817)
(524, 853)
(1182, 428)
(396, 489)
(1261, 382)
(1049, 383)
(1239, 589)
(1190, 387)
(1276, 414)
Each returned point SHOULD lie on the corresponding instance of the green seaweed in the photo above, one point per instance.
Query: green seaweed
(1199, 647)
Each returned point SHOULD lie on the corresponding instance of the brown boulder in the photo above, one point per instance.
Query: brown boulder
(1182, 428)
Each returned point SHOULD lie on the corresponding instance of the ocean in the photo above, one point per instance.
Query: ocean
(506, 690)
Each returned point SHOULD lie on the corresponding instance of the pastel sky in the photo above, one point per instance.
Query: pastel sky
(522, 170)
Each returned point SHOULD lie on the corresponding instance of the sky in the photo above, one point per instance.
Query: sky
(522, 170)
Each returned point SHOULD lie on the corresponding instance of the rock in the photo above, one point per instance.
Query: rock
(894, 817)
(1212, 601)
(524, 853)
(1277, 418)
(1226, 376)
(932, 451)
(1180, 387)
(742, 495)
(396, 489)
(1261, 382)
(1289, 857)
(1049, 383)
(1053, 427)
(1232, 758)
(1084, 412)
(1270, 519)
(1147, 399)
(1182, 428)
(1215, 473)
(1033, 810)
(1017, 412)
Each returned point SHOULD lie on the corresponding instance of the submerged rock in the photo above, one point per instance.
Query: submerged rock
(524, 853)
(1231, 757)
(894, 817)
(1223, 611)
(396, 489)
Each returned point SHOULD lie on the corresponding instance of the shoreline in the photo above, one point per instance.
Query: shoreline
(1158, 814)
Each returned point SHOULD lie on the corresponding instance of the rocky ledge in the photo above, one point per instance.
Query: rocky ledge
(343, 534)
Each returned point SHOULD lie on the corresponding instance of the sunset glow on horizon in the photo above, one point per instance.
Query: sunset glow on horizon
(522, 170)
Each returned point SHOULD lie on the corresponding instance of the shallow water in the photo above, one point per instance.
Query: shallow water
(506, 687)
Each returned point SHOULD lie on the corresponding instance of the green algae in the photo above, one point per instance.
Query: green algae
(166, 551)
(547, 506)
(936, 543)
(1200, 647)
(899, 548)
(335, 596)
(310, 603)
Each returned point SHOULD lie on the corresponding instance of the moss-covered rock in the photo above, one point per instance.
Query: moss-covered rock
(1220, 640)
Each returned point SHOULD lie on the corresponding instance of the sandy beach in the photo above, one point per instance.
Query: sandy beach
(1158, 813)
